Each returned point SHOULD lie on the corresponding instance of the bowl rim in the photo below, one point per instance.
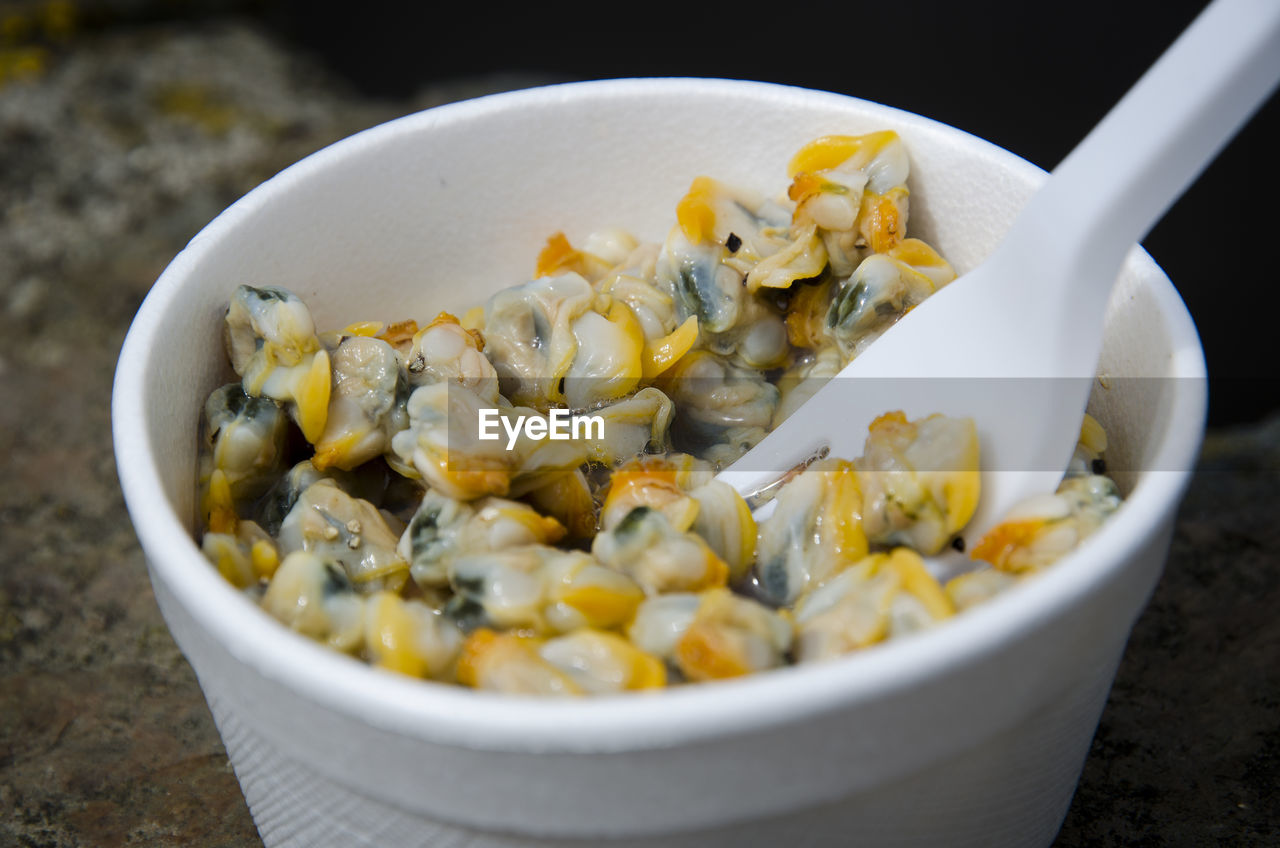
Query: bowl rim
(453, 715)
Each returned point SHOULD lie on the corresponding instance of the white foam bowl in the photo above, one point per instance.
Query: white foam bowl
(973, 733)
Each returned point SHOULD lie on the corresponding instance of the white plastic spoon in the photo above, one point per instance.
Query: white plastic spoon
(1014, 343)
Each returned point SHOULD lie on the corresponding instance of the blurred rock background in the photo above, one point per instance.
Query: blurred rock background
(126, 125)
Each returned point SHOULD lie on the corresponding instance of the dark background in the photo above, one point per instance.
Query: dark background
(1030, 77)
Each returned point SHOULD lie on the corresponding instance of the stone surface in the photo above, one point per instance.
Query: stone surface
(115, 150)
(1188, 749)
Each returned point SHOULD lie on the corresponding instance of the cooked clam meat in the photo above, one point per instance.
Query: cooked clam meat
(883, 288)
(711, 635)
(522, 497)
(245, 556)
(367, 400)
(313, 596)
(600, 661)
(646, 547)
(443, 445)
(722, 409)
(328, 522)
(529, 336)
(243, 450)
(246, 440)
(585, 661)
(1044, 528)
(272, 344)
(410, 636)
(445, 351)
(815, 532)
(510, 663)
(880, 597)
(919, 479)
(444, 529)
(540, 589)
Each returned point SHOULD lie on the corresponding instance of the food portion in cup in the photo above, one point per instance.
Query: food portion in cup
(524, 499)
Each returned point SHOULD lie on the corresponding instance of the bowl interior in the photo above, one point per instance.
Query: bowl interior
(437, 210)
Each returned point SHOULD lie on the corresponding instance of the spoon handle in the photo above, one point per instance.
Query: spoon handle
(1113, 187)
(1014, 342)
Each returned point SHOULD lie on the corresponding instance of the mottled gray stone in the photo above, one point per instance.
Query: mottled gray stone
(127, 144)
